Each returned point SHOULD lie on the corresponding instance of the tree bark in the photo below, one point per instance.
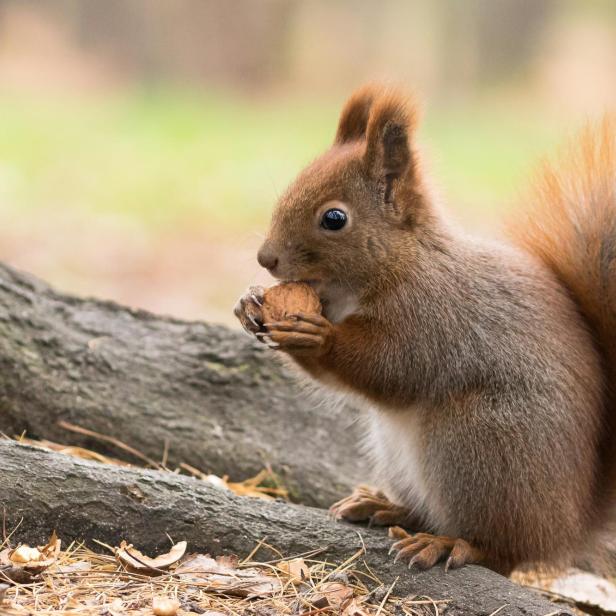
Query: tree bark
(213, 395)
(87, 500)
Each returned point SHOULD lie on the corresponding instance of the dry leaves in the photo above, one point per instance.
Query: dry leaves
(354, 609)
(295, 569)
(130, 583)
(221, 576)
(263, 485)
(71, 450)
(136, 561)
(32, 560)
(334, 595)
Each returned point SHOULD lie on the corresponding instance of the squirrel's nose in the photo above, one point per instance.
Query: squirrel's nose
(267, 258)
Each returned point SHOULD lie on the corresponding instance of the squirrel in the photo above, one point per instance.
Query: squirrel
(487, 368)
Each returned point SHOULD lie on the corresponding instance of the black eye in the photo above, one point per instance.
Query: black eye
(334, 219)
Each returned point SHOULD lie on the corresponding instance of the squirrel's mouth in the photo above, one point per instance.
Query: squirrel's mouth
(313, 282)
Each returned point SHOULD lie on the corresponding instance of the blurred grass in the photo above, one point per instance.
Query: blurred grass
(163, 157)
(158, 158)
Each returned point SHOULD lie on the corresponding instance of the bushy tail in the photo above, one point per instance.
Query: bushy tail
(571, 226)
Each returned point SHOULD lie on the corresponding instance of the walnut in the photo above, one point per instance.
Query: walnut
(289, 298)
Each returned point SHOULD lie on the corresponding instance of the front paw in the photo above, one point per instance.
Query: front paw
(306, 335)
(249, 310)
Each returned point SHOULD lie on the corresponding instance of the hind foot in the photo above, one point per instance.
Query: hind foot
(423, 550)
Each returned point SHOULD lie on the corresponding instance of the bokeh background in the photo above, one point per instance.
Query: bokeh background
(143, 144)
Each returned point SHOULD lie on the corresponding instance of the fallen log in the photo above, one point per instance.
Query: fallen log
(42, 491)
(210, 396)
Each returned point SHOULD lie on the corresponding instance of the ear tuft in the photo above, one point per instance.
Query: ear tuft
(392, 120)
(355, 113)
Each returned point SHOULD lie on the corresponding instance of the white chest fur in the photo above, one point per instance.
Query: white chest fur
(338, 303)
(394, 443)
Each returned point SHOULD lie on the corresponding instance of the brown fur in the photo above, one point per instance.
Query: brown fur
(482, 365)
(571, 227)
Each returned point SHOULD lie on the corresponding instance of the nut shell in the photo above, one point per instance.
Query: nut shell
(289, 298)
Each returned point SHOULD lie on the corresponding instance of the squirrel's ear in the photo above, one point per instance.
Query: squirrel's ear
(388, 136)
(354, 117)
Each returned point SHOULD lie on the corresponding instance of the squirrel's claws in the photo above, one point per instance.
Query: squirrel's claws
(414, 563)
(424, 550)
(248, 310)
(415, 566)
(264, 337)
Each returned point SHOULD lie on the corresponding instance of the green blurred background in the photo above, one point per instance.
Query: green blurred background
(143, 144)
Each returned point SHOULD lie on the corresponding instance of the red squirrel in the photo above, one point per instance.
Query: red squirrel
(487, 370)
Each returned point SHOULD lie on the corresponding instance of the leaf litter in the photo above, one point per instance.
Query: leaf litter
(79, 581)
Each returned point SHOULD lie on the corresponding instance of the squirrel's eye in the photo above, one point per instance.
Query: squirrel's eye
(334, 219)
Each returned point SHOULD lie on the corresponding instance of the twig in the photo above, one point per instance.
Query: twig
(163, 462)
(254, 550)
(384, 601)
(105, 545)
(195, 472)
(308, 554)
(7, 538)
(110, 439)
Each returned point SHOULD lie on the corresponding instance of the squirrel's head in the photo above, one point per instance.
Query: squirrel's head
(344, 216)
